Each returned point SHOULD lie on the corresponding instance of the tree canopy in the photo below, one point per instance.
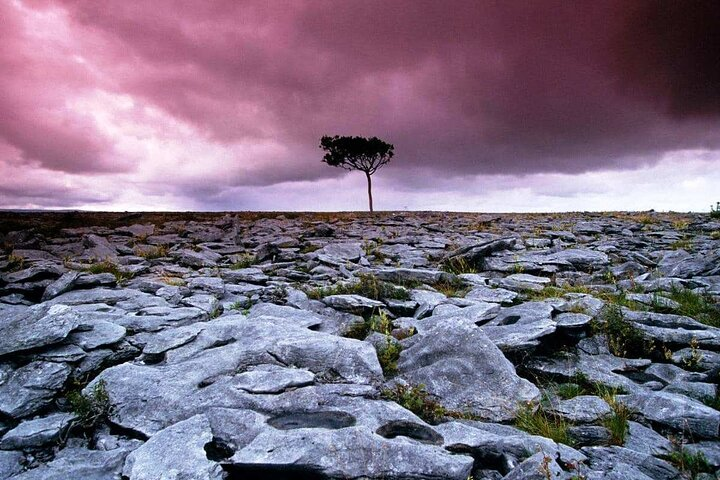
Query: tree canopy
(357, 153)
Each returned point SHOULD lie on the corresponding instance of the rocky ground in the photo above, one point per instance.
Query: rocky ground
(394, 346)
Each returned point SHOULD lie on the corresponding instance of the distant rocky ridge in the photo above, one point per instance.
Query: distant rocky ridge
(394, 346)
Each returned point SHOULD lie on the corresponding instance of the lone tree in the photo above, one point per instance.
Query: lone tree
(357, 153)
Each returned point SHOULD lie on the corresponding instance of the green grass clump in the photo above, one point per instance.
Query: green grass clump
(567, 391)
(624, 339)
(715, 212)
(417, 400)
(617, 422)
(151, 253)
(244, 261)
(367, 286)
(458, 265)
(690, 463)
(388, 356)
(551, 291)
(93, 408)
(539, 422)
(698, 306)
(451, 288)
(107, 266)
(379, 322)
(15, 263)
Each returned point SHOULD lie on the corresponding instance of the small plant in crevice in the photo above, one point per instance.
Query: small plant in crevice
(379, 322)
(108, 266)
(15, 263)
(624, 339)
(715, 212)
(367, 286)
(692, 361)
(458, 265)
(388, 356)
(417, 399)
(537, 421)
(617, 421)
(152, 252)
(244, 260)
(91, 409)
(453, 287)
(692, 464)
(697, 306)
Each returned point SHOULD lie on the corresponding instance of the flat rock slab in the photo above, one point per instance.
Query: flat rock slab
(37, 327)
(459, 365)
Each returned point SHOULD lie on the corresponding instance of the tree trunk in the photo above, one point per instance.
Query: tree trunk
(369, 191)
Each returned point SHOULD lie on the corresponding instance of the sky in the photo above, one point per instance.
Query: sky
(492, 106)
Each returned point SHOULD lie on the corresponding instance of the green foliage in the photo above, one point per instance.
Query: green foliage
(551, 291)
(244, 260)
(379, 322)
(150, 253)
(15, 263)
(682, 244)
(93, 408)
(536, 421)
(389, 355)
(690, 463)
(453, 287)
(624, 339)
(367, 285)
(569, 390)
(357, 153)
(417, 400)
(458, 265)
(108, 266)
(698, 306)
(617, 422)
(715, 212)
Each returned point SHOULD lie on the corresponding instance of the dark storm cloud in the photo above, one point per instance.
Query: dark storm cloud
(460, 87)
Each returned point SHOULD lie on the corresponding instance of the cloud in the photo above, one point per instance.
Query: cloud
(193, 100)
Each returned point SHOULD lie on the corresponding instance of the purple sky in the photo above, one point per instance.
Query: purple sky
(491, 106)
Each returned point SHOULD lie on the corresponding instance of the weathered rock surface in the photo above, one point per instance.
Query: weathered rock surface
(221, 345)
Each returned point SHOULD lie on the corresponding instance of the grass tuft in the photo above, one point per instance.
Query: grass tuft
(93, 408)
(367, 286)
(536, 421)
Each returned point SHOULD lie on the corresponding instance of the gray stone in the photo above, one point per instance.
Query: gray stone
(97, 333)
(352, 452)
(522, 282)
(30, 388)
(339, 253)
(79, 463)
(581, 409)
(520, 327)
(10, 463)
(449, 357)
(400, 275)
(536, 467)
(351, 303)
(193, 259)
(98, 248)
(493, 295)
(61, 285)
(623, 464)
(503, 445)
(34, 273)
(175, 452)
(37, 432)
(36, 327)
(677, 412)
(645, 440)
(211, 285)
(205, 302)
(245, 275)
